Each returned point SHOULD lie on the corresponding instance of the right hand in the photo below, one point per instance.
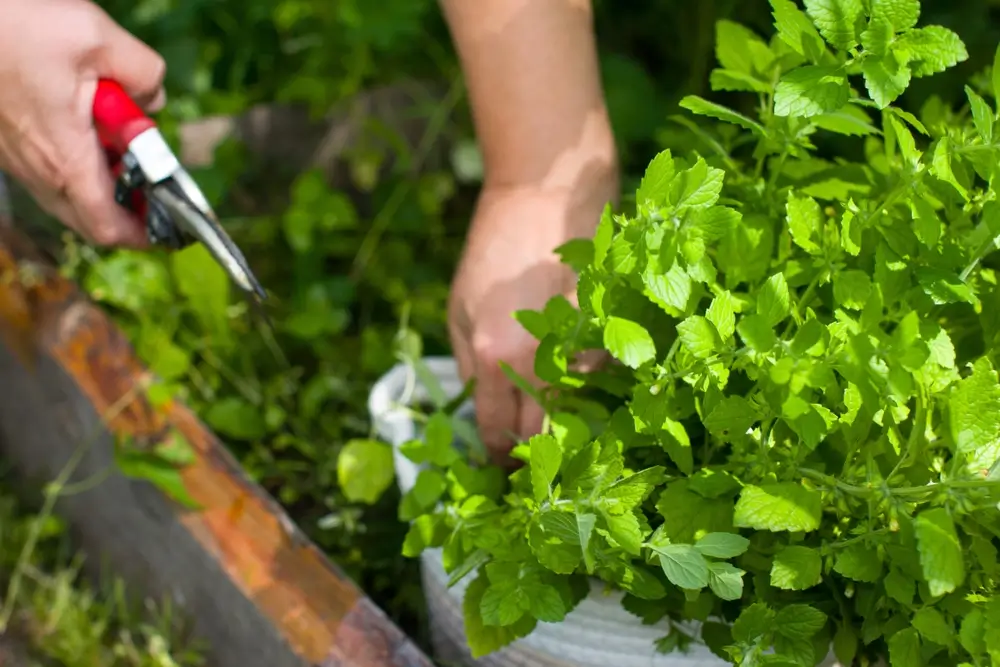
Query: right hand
(52, 52)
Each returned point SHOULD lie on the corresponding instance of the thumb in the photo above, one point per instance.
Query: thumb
(138, 68)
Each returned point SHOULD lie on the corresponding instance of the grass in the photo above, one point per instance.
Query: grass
(52, 615)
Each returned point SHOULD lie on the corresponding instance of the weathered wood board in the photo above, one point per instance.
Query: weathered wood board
(256, 590)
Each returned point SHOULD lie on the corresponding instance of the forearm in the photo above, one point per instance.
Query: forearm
(534, 87)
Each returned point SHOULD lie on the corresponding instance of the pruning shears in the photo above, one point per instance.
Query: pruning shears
(150, 181)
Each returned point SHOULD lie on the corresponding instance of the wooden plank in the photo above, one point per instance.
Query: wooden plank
(255, 588)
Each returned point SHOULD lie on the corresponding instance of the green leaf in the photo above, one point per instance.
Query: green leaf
(837, 20)
(722, 545)
(932, 626)
(699, 337)
(796, 30)
(858, 562)
(941, 556)
(757, 333)
(904, 649)
(852, 288)
(625, 530)
(731, 417)
(805, 220)
(545, 603)
(725, 580)
(484, 639)
(982, 115)
(850, 121)
(781, 506)
(702, 107)
(974, 410)
(900, 14)
(655, 185)
(799, 621)
(684, 566)
(810, 91)
(738, 49)
(236, 418)
(439, 438)
(773, 300)
(546, 457)
(876, 38)
(697, 187)
(885, 79)
(671, 291)
(796, 568)
(205, 286)
(365, 470)
(423, 496)
(899, 587)
(721, 315)
(628, 342)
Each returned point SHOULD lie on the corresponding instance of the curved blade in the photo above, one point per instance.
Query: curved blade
(206, 228)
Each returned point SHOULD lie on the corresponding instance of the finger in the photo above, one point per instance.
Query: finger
(139, 69)
(90, 191)
(529, 417)
(496, 412)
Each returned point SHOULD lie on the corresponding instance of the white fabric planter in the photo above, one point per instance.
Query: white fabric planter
(598, 633)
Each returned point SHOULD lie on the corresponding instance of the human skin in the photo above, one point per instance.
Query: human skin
(550, 167)
(52, 53)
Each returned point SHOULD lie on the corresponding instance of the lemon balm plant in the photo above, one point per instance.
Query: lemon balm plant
(797, 443)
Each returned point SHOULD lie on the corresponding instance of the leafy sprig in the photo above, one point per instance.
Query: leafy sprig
(799, 442)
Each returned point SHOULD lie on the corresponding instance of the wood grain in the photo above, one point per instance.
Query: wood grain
(255, 588)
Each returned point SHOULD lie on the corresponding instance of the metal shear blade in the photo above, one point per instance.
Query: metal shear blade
(197, 219)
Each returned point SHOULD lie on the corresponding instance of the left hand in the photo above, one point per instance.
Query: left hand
(508, 264)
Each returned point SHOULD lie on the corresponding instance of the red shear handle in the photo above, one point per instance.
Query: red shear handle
(117, 117)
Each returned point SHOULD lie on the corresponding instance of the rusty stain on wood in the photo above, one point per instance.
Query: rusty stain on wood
(320, 613)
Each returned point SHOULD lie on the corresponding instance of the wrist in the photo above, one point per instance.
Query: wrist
(587, 164)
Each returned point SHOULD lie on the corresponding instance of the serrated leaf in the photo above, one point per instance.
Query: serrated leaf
(904, 649)
(850, 121)
(930, 50)
(697, 187)
(796, 568)
(799, 621)
(739, 50)
(773, 300)
(725, 580)
(628, 342)
(757, 333)
(805, 220)
(933, 627)
(837, 20)
(722, 545)
(900, 14)
(684, 566)
(546, 457)
(810, 91)
(702, 107)
(781, 506)
(699, 337)
(941, 556)
(852, 288)
(876, 37)
(982, 115)
(484, 639)
(885, 79)
(670, 290)
(655, 185)
(796, 30)
(721, 314)
(730, 80)
(731, 417)
(858, 562)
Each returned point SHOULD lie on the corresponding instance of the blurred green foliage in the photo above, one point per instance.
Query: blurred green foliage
(345, 264)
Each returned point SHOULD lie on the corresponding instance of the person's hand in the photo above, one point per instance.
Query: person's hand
(52, 53)
(508, 264)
